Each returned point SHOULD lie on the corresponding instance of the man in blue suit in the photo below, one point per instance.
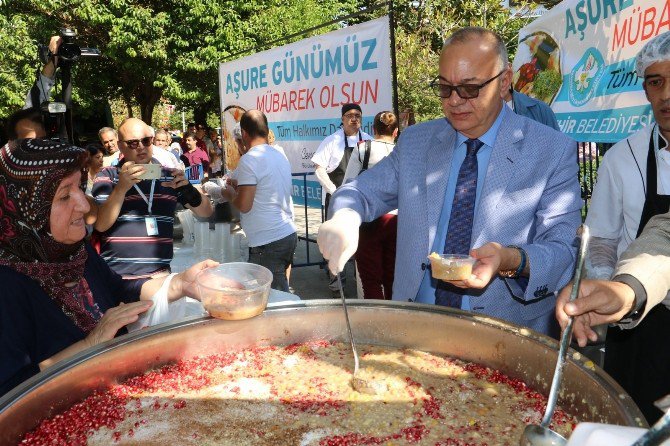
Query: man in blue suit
(483, 175)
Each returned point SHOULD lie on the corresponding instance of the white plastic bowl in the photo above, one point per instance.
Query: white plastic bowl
(234, 291)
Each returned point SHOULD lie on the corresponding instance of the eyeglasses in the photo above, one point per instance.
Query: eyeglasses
(464, 91)
(353, 116)
(135, 143)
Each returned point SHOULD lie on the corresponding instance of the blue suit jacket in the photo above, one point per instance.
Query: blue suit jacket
(534, 109)
(530, 198)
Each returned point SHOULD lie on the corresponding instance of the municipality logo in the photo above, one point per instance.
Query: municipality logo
(585, 77)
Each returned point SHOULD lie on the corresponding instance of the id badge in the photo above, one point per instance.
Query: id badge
(152, 225)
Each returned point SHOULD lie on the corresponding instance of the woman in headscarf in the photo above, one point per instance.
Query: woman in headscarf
(58, 296)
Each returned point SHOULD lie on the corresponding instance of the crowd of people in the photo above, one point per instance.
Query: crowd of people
(87, 238)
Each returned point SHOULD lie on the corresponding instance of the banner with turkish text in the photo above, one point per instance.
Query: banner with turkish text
(302, 86)
(579, 57)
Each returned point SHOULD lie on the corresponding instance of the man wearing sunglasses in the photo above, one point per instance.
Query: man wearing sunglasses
(135, 221)
(485, 182)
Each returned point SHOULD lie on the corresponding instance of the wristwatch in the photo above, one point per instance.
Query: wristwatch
(640, 302)
(515, 273)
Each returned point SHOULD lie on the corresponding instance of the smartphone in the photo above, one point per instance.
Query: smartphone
(156, 172)
(151, 172)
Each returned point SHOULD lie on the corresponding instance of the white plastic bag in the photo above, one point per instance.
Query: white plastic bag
(162, 312)
(185, 307)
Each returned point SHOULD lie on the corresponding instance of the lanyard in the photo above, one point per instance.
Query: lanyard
(150, 201)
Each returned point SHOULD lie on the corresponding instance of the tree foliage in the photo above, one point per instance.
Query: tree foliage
(17, 67)
(169, 50)
(152, 49)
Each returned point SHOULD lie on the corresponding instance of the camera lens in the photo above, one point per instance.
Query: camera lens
(69, 51)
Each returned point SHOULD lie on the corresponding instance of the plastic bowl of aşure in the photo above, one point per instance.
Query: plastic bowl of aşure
(234, 291)
(448, 267)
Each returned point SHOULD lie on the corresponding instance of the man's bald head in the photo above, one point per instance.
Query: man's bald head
(254, 127)
(136, 140)
(255, 123)
(131, 124)
(485, 37)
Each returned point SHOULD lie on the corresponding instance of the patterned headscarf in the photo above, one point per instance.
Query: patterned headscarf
(30, 172)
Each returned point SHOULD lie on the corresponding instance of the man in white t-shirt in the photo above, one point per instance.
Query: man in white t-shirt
(262, 192)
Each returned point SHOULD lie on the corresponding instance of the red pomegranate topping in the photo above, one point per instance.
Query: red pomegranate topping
(430, 407)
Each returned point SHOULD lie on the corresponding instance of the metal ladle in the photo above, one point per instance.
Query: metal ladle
(540, 434)
(659, 432)
(360, 384)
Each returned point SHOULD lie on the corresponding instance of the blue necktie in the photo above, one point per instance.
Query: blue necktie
(459, 231)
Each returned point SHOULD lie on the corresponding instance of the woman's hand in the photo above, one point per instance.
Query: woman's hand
(114, 319)
(183, 284)
(106, 329)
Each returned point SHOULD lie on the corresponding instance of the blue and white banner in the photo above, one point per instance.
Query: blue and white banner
(301, 87)
(580, 58)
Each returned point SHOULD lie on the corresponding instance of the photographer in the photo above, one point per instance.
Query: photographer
(46, 79)
(56, 117)
(135, 219)
(28, 122)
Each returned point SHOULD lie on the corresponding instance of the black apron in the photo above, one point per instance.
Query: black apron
(639, 358)
(337, 175)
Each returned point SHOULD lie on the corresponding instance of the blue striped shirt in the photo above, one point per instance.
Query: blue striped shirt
(127, 247)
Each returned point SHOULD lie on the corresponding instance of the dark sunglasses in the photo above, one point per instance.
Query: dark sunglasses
(135, 143)
(464, 91)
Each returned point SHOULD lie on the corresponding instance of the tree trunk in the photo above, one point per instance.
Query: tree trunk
(200, 114)
(147, 97)
(129, 104)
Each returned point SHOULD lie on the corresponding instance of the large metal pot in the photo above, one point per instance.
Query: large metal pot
(587, 392)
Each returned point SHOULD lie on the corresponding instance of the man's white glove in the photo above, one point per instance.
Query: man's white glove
(338, 238)
(213, 190)
(324, 179)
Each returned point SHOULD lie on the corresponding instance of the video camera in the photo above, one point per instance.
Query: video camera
(68, 51)
(57, 116)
